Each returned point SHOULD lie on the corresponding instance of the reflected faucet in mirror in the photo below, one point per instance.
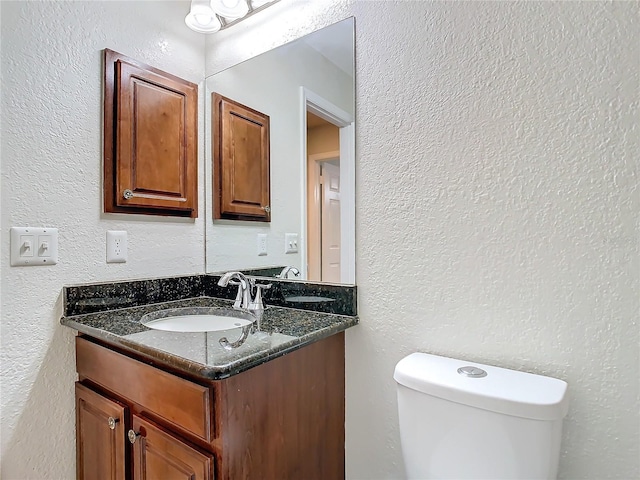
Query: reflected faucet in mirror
(285, 272)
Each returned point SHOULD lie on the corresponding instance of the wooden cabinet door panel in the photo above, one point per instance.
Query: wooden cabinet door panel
(241, 161)
(150, 139)
(100, 449)
(158, 455)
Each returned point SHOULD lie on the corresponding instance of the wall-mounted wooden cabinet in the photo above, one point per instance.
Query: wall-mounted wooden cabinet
(150, 140)
(240, 161)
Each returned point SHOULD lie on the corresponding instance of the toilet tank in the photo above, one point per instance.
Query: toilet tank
(462, 420)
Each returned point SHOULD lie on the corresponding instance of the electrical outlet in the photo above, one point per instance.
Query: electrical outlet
(116, 246)
(262, 244)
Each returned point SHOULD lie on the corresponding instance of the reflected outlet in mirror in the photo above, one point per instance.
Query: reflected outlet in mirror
(306, 87)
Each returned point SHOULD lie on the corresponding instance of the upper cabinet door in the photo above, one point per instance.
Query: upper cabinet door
(241, 161)
(150, 140)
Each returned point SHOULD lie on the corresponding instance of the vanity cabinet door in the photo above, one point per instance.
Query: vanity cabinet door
(100, 436)
(159, 455)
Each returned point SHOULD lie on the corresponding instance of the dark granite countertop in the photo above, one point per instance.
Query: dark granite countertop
(200, 354)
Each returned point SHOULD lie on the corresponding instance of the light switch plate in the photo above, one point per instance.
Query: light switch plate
(31, 246)
(290, 243)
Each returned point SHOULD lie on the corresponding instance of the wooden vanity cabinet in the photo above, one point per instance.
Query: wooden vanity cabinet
(283, 419)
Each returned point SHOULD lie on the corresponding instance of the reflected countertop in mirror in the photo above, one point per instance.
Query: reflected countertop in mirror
(307, 89)
(318, 297)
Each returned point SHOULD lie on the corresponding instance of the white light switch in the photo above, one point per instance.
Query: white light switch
(26, 245)
(44, 246)
(32, 246)
(290, 243)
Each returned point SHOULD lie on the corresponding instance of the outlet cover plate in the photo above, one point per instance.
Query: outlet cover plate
(116, 246)
(262, 244)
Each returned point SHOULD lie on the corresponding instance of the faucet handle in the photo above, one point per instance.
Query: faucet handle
(261, 287)
(238, 302)
(256, 303)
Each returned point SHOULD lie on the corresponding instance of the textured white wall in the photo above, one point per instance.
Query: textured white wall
(497, 201)
(497, 165)
(281, 72)
(51, 176)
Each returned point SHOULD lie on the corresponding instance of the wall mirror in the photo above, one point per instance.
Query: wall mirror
(307, 89)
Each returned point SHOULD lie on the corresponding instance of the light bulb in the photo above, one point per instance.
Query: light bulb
(201, 18)
(230, 8)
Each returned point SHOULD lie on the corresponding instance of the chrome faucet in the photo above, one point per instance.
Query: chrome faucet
(244, 298)
(285, 272)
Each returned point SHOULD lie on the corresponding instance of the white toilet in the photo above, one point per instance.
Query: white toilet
(461, 420)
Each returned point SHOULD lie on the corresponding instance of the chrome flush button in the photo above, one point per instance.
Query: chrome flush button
(473, 372)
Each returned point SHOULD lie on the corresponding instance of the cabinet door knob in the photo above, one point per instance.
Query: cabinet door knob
(127, 194)
(267, 209)
(112, 422)
(133, 436)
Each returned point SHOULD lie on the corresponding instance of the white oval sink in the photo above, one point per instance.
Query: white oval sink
(196, 320)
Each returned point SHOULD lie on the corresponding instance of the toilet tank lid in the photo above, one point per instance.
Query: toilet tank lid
(510, 392)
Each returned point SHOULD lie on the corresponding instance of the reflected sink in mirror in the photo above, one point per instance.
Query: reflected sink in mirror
(308, 299)
(197, 319)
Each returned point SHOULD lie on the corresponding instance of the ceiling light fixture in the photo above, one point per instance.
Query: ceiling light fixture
(209, 16)
(201, 18)
(230, 8)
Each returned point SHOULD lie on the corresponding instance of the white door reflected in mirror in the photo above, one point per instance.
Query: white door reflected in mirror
(330, 235)
(323, 216)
